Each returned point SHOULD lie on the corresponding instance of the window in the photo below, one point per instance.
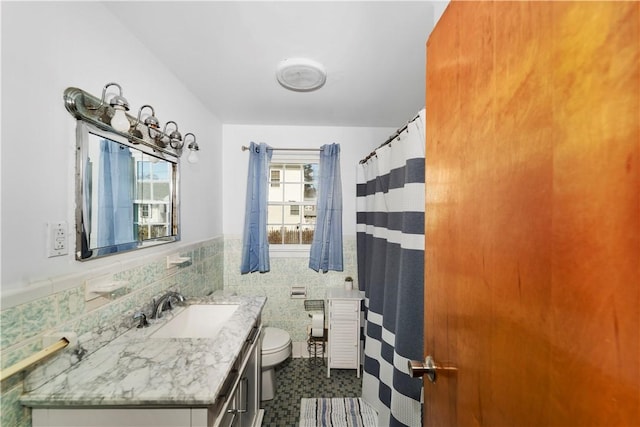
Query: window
(291, 216)
(275, 178)
(152, 199)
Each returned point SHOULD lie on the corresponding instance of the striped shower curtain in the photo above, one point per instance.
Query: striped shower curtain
(390, 242)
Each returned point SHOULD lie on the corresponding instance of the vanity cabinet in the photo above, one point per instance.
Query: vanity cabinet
(252, 378)
(344, 329)
(237, 405)
(242, 409)
(141, 417)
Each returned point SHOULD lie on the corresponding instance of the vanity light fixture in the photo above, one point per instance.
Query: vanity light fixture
(152, 122)
(119, 104)
(175, 138)
(193, 149)
(111, 116)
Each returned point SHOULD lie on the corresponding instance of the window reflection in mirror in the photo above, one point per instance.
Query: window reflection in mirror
(126, 195)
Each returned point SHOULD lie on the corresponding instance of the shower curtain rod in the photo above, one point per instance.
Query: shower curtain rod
(388, 141)
(245, 148)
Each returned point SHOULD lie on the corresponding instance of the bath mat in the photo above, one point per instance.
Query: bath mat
(337, 412)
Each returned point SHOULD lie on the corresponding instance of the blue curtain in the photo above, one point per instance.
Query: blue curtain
(326, 247)
(255, 245)
(115, 203)
(390, 237)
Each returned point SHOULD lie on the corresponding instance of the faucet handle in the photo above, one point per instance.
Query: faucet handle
(175, 299)
(143, 319)
(178, 296)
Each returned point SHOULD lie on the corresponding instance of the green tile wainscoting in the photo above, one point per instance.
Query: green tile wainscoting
(282, 311)
(215, 266)
(23, 326)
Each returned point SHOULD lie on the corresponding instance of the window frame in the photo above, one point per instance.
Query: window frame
(298, 158)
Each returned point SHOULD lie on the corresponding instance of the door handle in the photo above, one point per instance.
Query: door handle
(428, 368)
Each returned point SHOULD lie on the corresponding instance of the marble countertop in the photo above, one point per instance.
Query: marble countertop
(134, 370)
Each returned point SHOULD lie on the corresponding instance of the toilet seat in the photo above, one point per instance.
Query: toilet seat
(274, 340)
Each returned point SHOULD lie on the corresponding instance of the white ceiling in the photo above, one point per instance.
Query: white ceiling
(226, 52)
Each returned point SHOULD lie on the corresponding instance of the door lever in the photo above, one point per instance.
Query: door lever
(428, 368)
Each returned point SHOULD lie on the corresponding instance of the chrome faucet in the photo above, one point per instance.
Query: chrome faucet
(165, 302)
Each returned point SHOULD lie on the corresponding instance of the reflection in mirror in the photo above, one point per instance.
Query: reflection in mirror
(126, 195)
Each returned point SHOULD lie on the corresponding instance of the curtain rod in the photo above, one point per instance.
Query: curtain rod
(245, 148)
(391, 138)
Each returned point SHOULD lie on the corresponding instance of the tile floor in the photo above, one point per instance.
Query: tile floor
(301, 377)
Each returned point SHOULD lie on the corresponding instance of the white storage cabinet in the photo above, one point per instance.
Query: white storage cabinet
(344, 329)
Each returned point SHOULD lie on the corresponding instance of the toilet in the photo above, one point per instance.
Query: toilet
(276, 348)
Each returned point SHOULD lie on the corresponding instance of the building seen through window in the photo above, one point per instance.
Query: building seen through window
(152, 204)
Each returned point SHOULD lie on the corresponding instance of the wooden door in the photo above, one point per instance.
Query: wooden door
(532, 280)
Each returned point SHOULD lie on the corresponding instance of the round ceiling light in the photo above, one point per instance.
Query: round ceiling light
(301, 74)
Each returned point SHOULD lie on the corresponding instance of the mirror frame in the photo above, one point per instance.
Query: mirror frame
(83, 131)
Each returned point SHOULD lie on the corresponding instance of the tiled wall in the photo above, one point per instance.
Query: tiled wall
(215, 265)
(24, 325)
(281, 310)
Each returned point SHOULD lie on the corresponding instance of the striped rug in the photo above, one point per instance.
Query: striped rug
(337, 412)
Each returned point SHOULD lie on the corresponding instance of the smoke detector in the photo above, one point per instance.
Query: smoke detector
(301, 74)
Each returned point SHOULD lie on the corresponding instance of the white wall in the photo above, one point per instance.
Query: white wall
(355, 144)
(47, 47)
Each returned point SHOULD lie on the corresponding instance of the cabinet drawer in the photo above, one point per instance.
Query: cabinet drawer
(101, 417)
(344, 309)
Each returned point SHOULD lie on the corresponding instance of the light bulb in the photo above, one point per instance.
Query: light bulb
(119, 120)
(193, 157)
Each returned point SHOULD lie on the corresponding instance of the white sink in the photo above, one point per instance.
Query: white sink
(197, 321)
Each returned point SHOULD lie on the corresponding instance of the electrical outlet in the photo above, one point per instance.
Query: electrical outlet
(57, 239)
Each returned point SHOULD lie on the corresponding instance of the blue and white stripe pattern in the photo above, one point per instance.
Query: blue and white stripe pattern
(390, 239)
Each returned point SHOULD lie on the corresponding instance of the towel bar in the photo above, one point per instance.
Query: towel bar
(34, 358)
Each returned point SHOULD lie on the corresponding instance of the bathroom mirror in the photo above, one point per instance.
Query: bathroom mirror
(126, 194)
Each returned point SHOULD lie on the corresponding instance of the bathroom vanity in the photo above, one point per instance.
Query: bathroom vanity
(158, 377)
(344, 329)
